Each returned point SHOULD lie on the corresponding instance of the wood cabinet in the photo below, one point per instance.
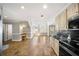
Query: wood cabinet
(61, 21)
(56, 46)
(72, 10)
(54, 43)
(57, 23)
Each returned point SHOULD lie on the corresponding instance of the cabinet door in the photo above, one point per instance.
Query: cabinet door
(72, 10)
(75, 9)
(52, 42)
(63, 21)
(57, 24)
(56, 48)
(55, 45)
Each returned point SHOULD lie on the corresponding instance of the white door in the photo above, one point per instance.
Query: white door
(9, 31)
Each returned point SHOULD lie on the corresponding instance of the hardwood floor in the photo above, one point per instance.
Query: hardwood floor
(38, 46)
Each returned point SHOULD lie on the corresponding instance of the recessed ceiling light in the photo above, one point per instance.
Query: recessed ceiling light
(45, 6)
(22, 7)
(5, 16)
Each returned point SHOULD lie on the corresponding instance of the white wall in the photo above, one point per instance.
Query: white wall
(42, 24)
(25, 28)
(7, 30)
(15, 32)
(5, 33)
(1, 30)
(0, 35)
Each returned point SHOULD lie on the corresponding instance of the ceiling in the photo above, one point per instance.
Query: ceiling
(31, 11)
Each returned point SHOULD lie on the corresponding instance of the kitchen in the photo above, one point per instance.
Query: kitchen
(40, 29)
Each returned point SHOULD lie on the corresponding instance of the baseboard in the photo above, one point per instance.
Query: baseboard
(17, 40)
(7, 39)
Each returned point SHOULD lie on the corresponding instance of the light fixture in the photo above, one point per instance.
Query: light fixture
(5, 16)
(22, 7)
(22, 26)
(42, 15)
(38, 34)
(45, 6)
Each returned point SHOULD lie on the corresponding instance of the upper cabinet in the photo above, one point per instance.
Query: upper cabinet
(62, 18)
(72, 10)
(57, 23)
(61, 22)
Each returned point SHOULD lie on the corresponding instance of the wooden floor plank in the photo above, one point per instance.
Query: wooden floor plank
(34, 47)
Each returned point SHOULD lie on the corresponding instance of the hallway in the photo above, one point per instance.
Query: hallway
(38, 46)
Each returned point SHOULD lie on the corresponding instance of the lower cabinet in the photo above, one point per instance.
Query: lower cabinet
(55, 45)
